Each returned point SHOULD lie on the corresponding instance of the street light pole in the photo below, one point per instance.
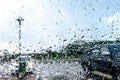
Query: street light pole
(20, 19)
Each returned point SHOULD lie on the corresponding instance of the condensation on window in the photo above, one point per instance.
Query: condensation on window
(55, 34)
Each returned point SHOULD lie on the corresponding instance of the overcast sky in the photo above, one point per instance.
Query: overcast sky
(50, 22)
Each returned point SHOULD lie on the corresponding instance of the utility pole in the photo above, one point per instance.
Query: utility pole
(20, 19)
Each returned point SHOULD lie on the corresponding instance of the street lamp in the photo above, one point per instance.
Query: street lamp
(20, 19)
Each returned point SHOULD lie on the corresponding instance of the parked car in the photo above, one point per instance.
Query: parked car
(14, 68)
(102, 60)
(27, 60)
(24, 66)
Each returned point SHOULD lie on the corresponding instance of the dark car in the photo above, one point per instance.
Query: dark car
(103, 61)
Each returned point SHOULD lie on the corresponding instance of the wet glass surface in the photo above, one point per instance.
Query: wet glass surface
(59, 39)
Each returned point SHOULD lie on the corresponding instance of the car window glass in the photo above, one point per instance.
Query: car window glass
(114, 49)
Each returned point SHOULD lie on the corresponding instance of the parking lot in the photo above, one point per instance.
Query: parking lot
(63, 70)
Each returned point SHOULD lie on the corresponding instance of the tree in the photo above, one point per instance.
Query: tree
(74, 49)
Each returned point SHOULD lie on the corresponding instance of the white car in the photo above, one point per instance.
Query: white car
(25, 60)
(28, 61)
(14, 68)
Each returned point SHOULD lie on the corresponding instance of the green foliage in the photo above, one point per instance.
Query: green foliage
(71, 51)
(22, 67)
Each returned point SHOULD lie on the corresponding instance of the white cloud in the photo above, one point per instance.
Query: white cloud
(114, 25)
(10, 46)
(114, 19)
(37, 14)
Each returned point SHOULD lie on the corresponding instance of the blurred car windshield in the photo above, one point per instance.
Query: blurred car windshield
(114, 49)
(25, 58)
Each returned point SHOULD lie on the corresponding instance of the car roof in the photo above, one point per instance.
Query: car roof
(106, 45)
(24, 57)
